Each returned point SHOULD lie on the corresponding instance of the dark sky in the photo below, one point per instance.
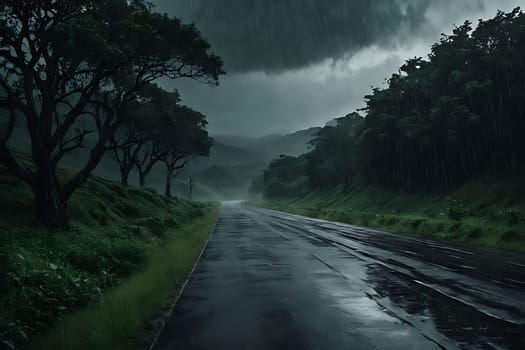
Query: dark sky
(293, 64)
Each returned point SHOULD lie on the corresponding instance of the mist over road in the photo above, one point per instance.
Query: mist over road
(270, 280)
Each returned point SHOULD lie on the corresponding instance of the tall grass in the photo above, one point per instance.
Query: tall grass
(47, 275)
(118, 319)
(488, 212)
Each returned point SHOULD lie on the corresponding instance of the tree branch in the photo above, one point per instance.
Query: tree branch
(71, 145)
(96, 154)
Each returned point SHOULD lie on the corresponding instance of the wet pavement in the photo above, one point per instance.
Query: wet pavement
(270, 280)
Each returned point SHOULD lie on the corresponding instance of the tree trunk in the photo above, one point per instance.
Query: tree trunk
(144, 169)
(169, 176)
(124, 176)
(142, 179)
(50, 207)
(190, 193)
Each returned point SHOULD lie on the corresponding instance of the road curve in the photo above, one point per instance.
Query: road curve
(270, 280)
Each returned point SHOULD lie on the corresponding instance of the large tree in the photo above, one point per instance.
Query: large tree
(66, 69)
(185, 138)
(142, 121)
(148, 157)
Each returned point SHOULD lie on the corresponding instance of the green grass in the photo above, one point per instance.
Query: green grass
(116, 320)
(47, 275)
(488, 212)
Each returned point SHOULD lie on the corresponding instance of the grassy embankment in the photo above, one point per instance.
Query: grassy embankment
(487, 212)
(97, 284)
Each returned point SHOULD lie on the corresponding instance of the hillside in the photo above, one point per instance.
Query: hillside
(272, 146)
(487, 212)
(46, 275)
(234, 161)
(438, 149)
(226, 174)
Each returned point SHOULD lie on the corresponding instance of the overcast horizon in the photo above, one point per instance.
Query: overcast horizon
(318, 64)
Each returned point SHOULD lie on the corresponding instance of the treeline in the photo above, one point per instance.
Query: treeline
(441, 121)
(157, 130)
(81, 74)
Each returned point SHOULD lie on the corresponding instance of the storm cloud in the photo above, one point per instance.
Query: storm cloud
(277, 35)
(292, 64)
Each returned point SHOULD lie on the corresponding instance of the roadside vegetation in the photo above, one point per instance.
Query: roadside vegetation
(128, 316)
(78, 80)
(439, 150)
(115, 231)
(487, 212)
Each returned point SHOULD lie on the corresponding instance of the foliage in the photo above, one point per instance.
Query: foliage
(185, 138)
(46, 274)
(512, 216)
(156, 129)
(284, 177)
(334, 158)
(132, 142)
(456, 210)
(68, 69)
(116, 320)
(440, 122)
(257, 186)
(422, 212)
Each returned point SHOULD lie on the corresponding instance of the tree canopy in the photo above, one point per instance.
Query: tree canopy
(441, 121)
(67, 68)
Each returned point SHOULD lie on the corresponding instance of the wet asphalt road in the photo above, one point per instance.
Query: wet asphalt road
(270, 280)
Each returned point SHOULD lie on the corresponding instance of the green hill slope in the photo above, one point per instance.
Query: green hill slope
(46, 275)
(487, 212)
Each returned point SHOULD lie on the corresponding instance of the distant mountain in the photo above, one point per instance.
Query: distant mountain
(235, 161)
(231, 154)
(272, 146)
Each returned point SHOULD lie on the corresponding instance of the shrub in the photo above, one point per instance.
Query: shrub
(127, 256)
(510, 236)
(46, 274)
(456, 210)
(512, 216)
(416, 223)
(39, 293)
(392, 221)
(475, 233)
(453, 228)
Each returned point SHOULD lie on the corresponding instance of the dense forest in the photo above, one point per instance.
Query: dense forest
(440, 122)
